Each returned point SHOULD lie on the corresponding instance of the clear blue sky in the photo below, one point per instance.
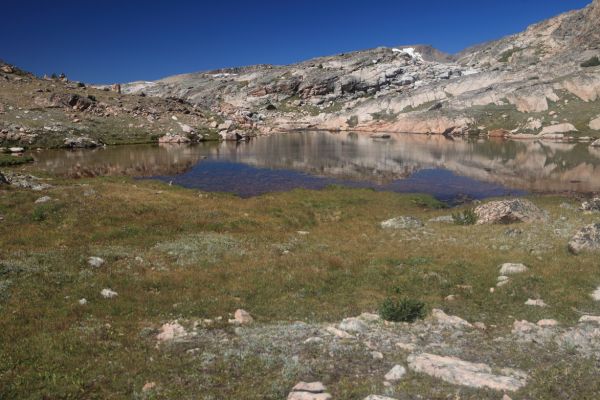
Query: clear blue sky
(119, 41)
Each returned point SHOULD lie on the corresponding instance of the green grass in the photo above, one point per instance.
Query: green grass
(592, 62)
(171, 254)
(7, 160)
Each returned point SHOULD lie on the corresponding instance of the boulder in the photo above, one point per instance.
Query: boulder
(404, 222)
(395, 374)
(595, 143)
(449, 320)
(586, 239)
(80, 142)
(242, 317)
(558, 128)
(171, 331)
(354, 325)
(595, 124)
(512, 268)
(95, 262)
(509, 211)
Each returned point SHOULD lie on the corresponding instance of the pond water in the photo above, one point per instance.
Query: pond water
(450, 169)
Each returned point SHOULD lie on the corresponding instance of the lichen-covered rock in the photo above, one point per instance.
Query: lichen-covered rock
(586, 239)
(509, 211)
(404, 222)
(512, 268)
(459, 372)
(591, 205)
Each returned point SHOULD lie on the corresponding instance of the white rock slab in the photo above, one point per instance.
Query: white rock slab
(395, 374)
(459, 372)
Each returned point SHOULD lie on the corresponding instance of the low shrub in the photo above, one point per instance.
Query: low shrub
(466, 217)
(402, 310)
(592, 62)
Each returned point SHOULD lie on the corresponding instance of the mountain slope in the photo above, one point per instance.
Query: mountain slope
(513, 83)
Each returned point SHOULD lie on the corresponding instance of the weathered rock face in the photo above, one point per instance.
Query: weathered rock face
(586, 239)
(509, 211)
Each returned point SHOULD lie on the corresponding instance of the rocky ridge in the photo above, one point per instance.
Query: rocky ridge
(527, 83)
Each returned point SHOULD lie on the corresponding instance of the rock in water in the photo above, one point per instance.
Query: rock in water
(458, 372)
(404, 222)
(509, 211)
(586, 239)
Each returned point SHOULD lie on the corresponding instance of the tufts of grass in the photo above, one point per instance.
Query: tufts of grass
(7, 160)
(465, 217)
(201, 249)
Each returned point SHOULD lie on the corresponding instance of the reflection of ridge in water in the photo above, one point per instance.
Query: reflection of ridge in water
(531, 166)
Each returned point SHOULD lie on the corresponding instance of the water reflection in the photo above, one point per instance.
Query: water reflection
(317, 158)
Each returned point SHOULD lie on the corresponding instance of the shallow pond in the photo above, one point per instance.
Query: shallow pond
(450, 169)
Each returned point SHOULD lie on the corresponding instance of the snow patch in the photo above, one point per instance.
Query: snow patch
(411, 51)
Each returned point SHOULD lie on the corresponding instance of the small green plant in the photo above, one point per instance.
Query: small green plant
(7, 160)
(592, 62)
(466, 217)
(402, 310)
(505, 56)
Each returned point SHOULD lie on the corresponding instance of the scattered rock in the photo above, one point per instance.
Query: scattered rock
(586, 239)
(509, 211)
(96, 262)
(458, 372)
(512, 269)
(82, 302)
(536, 303)
(339, 333)
(449, 320)
(354, 325)
(591, 205)
(148, 386)
(171, 331)
(43, 199)
(395, 374)
(404, 222)
(242, 317)
(547, 323)
(596, 294)
(590, 319)
(108, 293)
(309, 391)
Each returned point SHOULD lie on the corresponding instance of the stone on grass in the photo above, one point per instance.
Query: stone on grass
(309, 391)
(313, 340)
(354, 325)
(509, 211)
(536, 303)
(108, 293)
(459, 372)
(596, 294)
(148, 386)
(586, 239)
(339, 333)
(171, 331)
(449, 320)
(43, 199)
(82, 302)
(512, 268)
(547, 323)
(377, 355)
(242, 317)
(377, 397)
(404, 222)
(590, 319)
(395, 374)
(95, 262)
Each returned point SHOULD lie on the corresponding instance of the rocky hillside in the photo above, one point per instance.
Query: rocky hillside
(55, 112)
(545, 81)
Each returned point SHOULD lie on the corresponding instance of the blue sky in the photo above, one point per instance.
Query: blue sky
(119, 41)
